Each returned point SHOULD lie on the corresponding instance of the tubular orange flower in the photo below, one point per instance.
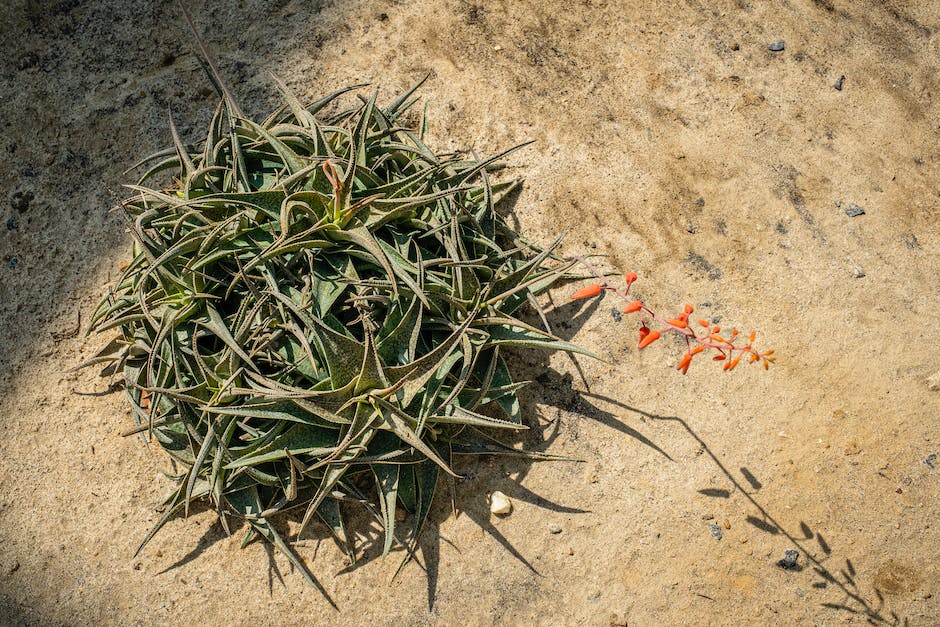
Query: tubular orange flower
(648, 339)
(716, 329)
(718, 338)
(719, 357)
(697, 350)
(587, 292)
(630, 277)
(704, 323)
(684, 363)
(689, 308)
(677, 322)
(634, 306)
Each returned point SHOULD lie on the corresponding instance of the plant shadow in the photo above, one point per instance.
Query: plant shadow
(852, 602)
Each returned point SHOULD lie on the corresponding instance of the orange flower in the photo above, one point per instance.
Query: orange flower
(649, 338)
(704, 323)
(587, 292)
(630, 277)
(684, 363)
(634, 306)
(678, 322)
(688, 308)
(697, 350)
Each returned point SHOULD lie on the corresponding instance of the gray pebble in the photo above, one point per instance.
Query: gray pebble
(777, 46)
(11, 223)
(554, 528)
(931, 460)
(789, 559)
(20, 200)
(838, 203)
(800, 592)
(13, 263)
(853, 211)
(615, 314)
(715, 529)
(857, 272)
(839, 83)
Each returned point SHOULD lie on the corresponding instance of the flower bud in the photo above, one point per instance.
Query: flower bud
(649, 338)
(587, 292)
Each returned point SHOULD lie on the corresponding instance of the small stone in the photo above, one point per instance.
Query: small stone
(933, 383)
(708, 517)
(11, 223)
(570, 551)
(789, 559)
(615, 314)
(13, 263)
(839, 82)
(497, 48)
(777, 46)
(715, 529)
(590, 475)
(853, 211)
(554, 528)
(138, 565)
(800, 592)
(500, 504)
(726, 523)
(931, 461)
(837, 203)
(13, 567)
(852, 447)
(20, 200)
(858, 272)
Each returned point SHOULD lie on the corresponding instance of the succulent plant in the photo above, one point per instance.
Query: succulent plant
(318, 303)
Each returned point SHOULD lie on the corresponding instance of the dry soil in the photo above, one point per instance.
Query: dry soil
(669, 137)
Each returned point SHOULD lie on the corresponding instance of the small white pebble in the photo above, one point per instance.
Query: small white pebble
(500, 503)
(497, 47)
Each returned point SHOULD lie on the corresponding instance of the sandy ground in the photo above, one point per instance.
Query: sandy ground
(667, 136)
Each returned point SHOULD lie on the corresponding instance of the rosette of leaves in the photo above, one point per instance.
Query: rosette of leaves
(319, 303)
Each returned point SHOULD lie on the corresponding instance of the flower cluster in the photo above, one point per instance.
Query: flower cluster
(729, 348)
